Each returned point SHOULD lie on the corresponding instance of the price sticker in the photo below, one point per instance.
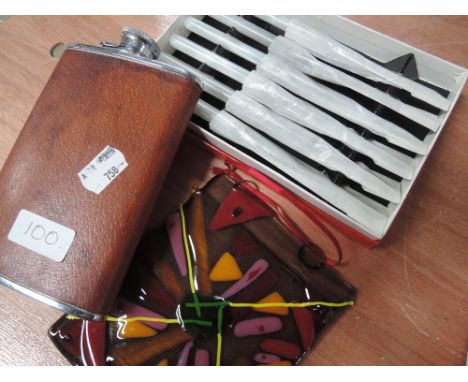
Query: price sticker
(103, 170)
(41, 235)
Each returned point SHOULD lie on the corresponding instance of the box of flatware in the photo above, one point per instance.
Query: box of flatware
(342, 116)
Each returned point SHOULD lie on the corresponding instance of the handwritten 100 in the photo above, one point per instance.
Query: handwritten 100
(38, 232)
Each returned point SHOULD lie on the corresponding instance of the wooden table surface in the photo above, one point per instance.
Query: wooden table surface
(412, 306)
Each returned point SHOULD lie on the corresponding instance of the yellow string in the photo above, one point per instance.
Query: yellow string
(218, 350)
(232, 304)
(147, 319)
(219, 335)
(187, 251)
(73, 317)
(189, 261)
(131, 319)
(290, 304)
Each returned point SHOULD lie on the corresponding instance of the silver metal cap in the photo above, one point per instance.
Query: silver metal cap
(139, 43)
(136, 42)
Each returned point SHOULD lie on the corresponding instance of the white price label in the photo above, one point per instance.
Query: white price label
(103, 170)
(41, 235)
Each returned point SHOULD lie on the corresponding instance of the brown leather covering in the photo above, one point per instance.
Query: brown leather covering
(91, 101)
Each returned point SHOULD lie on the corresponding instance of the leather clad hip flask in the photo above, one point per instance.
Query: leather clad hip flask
(79, 184)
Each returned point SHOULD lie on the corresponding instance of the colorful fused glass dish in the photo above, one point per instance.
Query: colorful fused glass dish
(224, 283)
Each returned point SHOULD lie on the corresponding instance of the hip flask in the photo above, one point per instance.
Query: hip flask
(79, 184)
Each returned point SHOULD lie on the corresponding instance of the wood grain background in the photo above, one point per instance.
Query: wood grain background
(412, 305)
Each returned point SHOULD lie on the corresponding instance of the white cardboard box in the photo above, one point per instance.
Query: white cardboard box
(374, 44)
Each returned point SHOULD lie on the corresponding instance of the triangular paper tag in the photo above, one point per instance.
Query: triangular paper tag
(238, 207)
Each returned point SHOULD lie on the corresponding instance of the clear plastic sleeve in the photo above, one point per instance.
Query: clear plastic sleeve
(231, 128)
(212, 59)
(283, 102)
(307, 144)
(225, 40)
(303, 59)
(292, 79)
(340, 55)
(246, 28)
